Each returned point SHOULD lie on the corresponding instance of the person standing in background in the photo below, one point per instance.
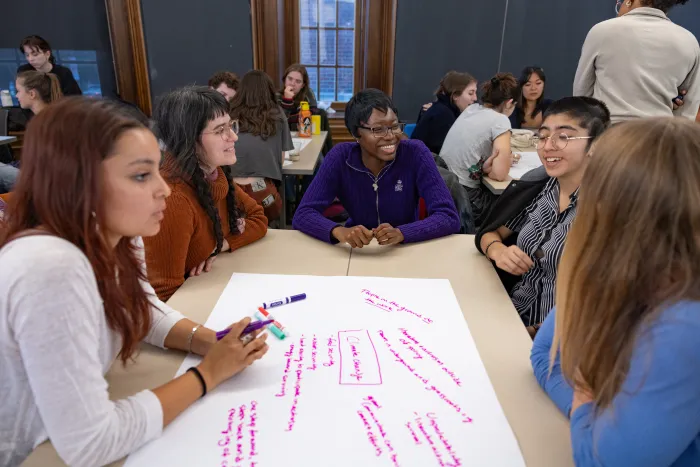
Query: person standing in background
(456, 92)
(38, 53)
(532, 105)
(296, 88)
(640, 62)
(226, 83)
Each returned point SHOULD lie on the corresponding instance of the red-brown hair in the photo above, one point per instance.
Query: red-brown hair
(59, 190)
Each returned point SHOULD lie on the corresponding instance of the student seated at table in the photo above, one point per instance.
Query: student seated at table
(478, 144)
(225, 83)
(74, 294)
(296, 88)
(40, 57)
(36, 90)
(262, 140)
(457, 91)
(625, 348)
(525, 231)
(207, 214)
(379, 180)
(532, 105)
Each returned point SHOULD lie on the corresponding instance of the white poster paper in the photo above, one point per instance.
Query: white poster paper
(528, 161)
(375, 372)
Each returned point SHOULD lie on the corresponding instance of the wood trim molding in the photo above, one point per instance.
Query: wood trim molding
(380, 45)
(268, 36)
(129, 52)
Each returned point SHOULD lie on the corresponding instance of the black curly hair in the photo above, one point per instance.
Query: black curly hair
(179, 119)
(663, 5)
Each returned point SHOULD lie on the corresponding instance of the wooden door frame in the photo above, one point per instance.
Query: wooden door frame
(128, 42)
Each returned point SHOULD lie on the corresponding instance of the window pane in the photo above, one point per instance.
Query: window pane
(327, 46)
(76, 56)
(8, 54)
(345, 84)
(327, 83)
(308, 13)
(346, 47)
(309, 46)
(327, 13)
(346, 13)
(8, 70)
(313, 79)
(87, 77)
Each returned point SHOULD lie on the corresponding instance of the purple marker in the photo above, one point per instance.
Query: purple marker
(252, 327)
(284, 301)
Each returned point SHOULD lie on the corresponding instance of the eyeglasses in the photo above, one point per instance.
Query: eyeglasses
(224, 131)
(618, 4)
(559, 140)
(382, 131)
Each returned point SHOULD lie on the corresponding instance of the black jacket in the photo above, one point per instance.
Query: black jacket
(516, 197)
(434, 124)
(518, 115)
(69, 87)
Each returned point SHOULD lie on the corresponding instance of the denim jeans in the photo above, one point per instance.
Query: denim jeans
(8, 177)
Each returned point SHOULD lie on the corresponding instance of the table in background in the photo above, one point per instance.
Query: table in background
(501, 339)
(279, 252)
(498, 187)
(306, 165)
(7, 139)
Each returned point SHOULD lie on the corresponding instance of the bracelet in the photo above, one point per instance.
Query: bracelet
(486, 252)
(191, 337)
(199, 376)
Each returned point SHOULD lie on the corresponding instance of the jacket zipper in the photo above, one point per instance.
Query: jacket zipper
(375, 184)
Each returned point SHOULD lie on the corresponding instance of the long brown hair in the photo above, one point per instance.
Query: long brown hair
(454, 83)
(303, 95)
(59, 189)
(255, 105)
(46, 85)
(499, 89)
(634, 248)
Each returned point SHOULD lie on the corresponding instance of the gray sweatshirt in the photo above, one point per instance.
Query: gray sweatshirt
(638, 63)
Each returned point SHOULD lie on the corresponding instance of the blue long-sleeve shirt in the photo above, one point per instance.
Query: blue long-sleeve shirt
(654, 421)
(412, 175)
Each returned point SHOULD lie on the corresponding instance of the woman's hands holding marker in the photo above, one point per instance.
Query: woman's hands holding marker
(359, 236)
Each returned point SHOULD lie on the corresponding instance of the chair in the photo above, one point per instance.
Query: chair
(5, 151)
(408, 131)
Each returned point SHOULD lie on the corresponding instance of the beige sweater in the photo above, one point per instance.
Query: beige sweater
(638, 63)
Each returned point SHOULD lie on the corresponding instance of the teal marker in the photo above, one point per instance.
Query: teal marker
(275, 328)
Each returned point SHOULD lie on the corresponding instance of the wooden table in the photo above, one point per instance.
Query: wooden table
(498, 187)
(503, 344)
(7, 139)
(306, 165)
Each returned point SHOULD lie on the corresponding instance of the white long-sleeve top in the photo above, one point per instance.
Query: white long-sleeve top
(638, 63)
(55, 348)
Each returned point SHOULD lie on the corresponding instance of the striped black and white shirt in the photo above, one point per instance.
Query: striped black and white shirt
(542, 234)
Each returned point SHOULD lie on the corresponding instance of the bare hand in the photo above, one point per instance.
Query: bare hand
(288, 93)
(388, 235)
(241, 226)
(356, 237)
(427, 106)
(515, 157)
(678, 103)
(230, 356)
(204, 266)
(512, 259)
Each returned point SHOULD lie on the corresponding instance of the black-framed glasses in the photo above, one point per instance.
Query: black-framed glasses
(559, 140)
(224, 131)
(381, 131)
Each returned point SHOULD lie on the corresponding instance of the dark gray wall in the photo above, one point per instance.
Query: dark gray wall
(187, 41)
(66, 24)
(465, 35)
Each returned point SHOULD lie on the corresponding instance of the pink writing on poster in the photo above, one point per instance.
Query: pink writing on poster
(385, 304)
(331, 349)
(412, 344)
(359, 364)
(237, 441)
(375, 431)
(287, 368)
(298, 371)
(429, 429)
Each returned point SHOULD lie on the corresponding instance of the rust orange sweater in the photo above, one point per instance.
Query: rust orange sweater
(186, 236)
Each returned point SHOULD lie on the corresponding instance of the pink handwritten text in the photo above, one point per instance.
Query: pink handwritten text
(408, 339)
(359, 364)
(376, 434)
(382, 303)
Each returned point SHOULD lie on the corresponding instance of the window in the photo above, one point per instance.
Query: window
(327, 47)
(83, 64)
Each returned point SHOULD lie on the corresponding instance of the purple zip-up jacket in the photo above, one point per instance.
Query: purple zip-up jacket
(392, 197)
